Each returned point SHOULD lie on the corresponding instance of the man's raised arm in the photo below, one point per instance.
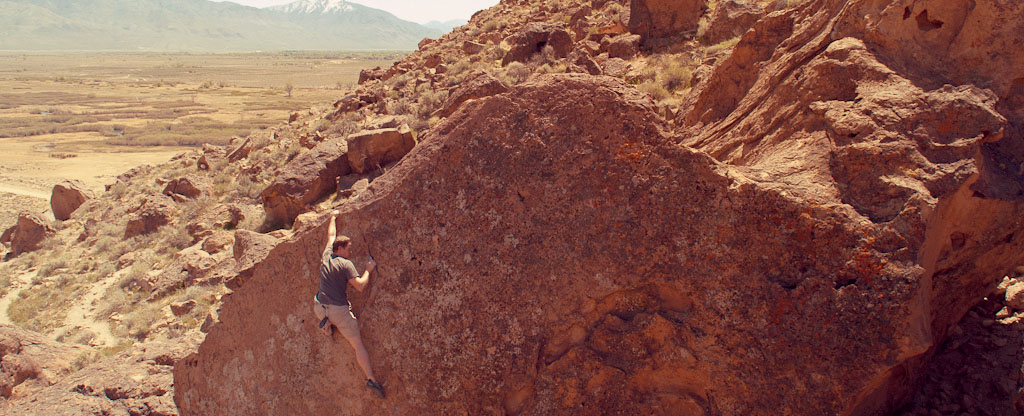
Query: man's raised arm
(332, 230)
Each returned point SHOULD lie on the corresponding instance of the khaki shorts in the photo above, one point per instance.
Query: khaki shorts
(340, 316)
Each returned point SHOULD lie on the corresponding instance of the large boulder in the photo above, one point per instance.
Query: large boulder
(478, 84)
(663, 18)
(66, 197)
(533, 38)
(304, 180)
(187, 187)
(153, 212)
(371, 149)
(28, 233)
(659, 277)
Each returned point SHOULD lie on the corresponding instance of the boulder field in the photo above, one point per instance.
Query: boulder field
(830, 200)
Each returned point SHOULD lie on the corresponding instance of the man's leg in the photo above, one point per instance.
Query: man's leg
(349, 327)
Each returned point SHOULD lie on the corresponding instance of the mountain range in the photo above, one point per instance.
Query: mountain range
(201, 25)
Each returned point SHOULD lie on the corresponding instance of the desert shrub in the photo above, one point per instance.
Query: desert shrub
(517, 72)
(493, 25)
(654, 89)
(721, 46)
(401, 106)
(139, 323)
(675, 76)
(429, 102)
(551, 69)
(47, 269)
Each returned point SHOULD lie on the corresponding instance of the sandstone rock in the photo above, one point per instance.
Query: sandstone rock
(424, 43)
(472, 48)
(183, 307)
(533, 38)
(625, 46)
(663, 18)
(8, 235)
(152, 213)
(242, 151)
(29, 232)
(433, 60)
(723, 270)
(731, 18)
(137, 381)
(29, 361)
(371, 74)
(304, 180)
(585, 64)
(218, 241)
(368, 150)
(190, 266)
(250, 249)
(66, 197)
(190, 186)
(478, 84)
(1015, 296)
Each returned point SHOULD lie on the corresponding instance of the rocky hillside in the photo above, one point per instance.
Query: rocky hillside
(601, 207)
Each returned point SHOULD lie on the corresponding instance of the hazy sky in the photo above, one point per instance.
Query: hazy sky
(419, 11)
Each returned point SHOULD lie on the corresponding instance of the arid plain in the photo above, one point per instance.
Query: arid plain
(93, 116)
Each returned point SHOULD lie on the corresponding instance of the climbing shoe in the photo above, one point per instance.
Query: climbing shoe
(376, 387)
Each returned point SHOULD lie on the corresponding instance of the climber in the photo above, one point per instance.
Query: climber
(331, 305)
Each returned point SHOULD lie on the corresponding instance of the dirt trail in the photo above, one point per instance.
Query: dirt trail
(11, 189)
(17, 285)
(82, 315)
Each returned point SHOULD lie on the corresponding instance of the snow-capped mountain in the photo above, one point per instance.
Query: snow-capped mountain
(202, 25)
(314, 7)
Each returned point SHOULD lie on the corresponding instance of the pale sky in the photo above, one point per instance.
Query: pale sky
(419, 11)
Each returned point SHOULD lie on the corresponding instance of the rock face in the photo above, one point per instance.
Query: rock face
(368, 150)
(306, 179)
(249, 250)
(66, 197)
(568, 262)
(831, 203)
(662, 18)
(731, 18)
(28, 233)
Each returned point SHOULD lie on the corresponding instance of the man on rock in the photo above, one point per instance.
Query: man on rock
(331, 304)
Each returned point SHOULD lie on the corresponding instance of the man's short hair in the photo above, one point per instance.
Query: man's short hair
(340, 242)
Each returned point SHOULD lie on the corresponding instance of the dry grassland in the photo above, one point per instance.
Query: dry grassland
(92, 116)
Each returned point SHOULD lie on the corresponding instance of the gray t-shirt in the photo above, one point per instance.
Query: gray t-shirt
(334, 274)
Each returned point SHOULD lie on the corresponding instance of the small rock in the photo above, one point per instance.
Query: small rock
(1015, 296)
(181, 308)
(1000, 290)
(1003, 313)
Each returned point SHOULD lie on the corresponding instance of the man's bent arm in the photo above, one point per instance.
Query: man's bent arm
(360, 282)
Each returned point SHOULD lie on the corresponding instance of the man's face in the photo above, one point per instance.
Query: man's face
(344, 251)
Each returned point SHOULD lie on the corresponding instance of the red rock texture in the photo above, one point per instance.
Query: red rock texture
(731, 18)
(556, 260)
(533, 38)
(29, 361)
(479, 84)
(249, 249)
(66, 197)
(28, 233)
(305, 180)
(153, 212)
(137, 381)
(662, 18)
(188, 186)
(371, 149)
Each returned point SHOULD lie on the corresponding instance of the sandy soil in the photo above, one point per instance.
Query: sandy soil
(28, 173)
